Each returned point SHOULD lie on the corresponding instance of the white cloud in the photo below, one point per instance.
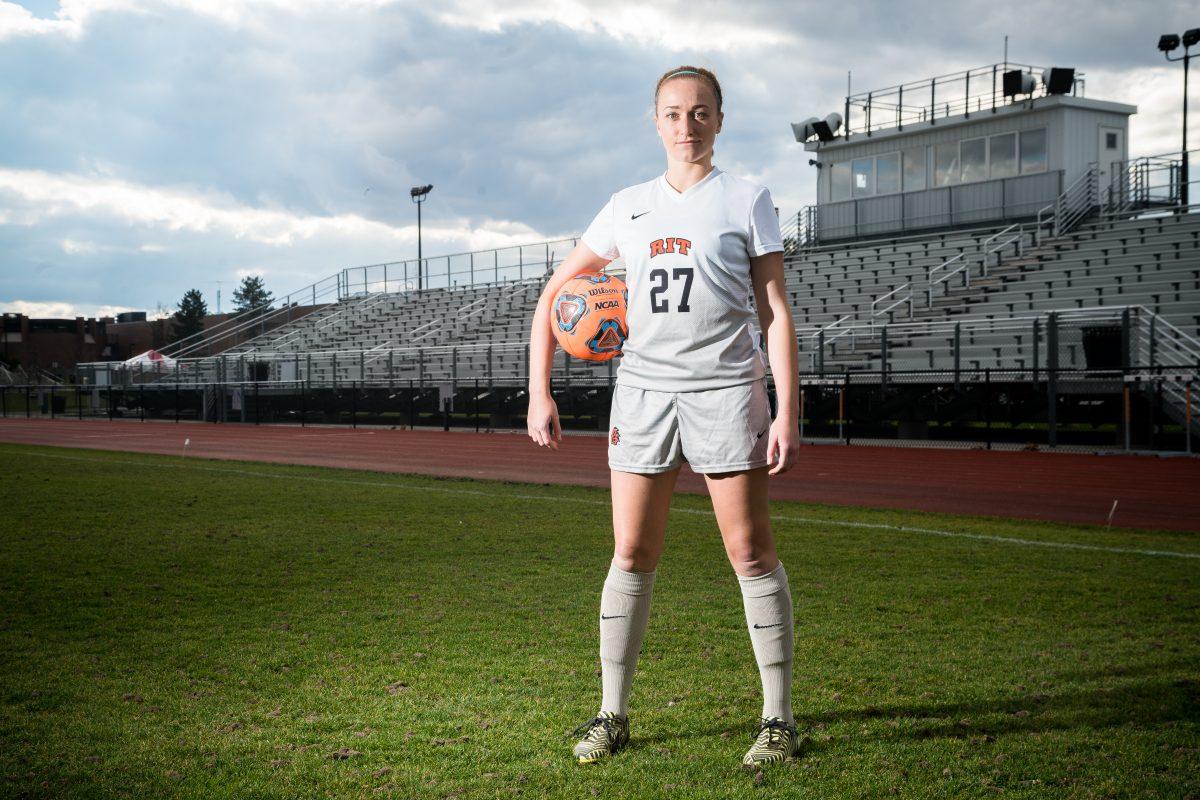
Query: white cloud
(73, 15)
(673, 26)
(35, 197)
(16, 20)
(72, 247)
(160, 145)
(58, 309)
(1157, 92)
(113, 241)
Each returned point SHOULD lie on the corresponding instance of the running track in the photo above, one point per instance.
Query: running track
(1152, 492)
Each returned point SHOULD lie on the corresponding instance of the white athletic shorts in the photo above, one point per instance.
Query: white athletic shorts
(714, 430)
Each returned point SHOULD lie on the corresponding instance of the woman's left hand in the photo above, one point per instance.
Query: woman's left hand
(783, 445)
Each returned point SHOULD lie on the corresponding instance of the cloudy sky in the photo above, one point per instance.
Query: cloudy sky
(150, 147)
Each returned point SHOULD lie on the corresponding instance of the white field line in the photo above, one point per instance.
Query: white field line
(113, 435)
(880, 526)
(339, 433)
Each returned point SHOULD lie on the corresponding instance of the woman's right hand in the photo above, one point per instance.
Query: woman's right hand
(542, 421)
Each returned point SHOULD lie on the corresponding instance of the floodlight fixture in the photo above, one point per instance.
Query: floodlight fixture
(826, 128)
(418, 194)
(823, 129)
(1018, 82)
(803, 131)
(1167, 43)
(1058, 80)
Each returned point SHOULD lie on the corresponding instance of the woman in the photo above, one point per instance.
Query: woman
(690, 386)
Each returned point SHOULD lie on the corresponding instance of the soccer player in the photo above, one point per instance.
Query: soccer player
(690, 386)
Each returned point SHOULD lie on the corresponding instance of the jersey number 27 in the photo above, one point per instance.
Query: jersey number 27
(658, 277)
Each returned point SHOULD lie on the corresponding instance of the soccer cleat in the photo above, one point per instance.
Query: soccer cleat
(602, 737)
(775, 740)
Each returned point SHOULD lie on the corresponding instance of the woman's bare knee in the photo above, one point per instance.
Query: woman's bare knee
(640, 506)
(750, 557)
(633, 556)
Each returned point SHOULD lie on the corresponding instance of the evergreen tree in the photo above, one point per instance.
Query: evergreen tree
(251, 294)
(189, 319)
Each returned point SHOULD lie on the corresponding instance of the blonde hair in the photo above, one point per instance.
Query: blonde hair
(688, 71)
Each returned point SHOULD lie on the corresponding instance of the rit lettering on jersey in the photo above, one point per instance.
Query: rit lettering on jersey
(660, 278)
(671, 244)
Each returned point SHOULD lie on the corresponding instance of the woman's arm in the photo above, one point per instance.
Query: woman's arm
(775, 321)
(542, 419)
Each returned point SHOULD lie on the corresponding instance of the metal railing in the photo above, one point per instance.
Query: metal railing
(932, 278)
(1014, 234)
(1166, 346)
(799, 231)
(495, 265)
(1068, 210)
(230, 331)
(1147, 182)
(902, 295)
(957, 204)
(1042, 342)
(1016, 340)
(974, 90)
(340, 312)
(1071, 207)
(471, 268)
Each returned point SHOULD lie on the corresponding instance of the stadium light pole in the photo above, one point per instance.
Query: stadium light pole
(418, 195)
(1168, 42)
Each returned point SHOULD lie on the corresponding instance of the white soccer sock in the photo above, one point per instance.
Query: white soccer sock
(624, 610)
(768, 604)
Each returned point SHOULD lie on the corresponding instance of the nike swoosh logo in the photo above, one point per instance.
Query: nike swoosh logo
(616, 616)
(760, 435)
(760, 627)
(644, 213)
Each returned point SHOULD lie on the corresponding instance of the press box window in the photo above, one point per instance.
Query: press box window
(973, 155)
(914, 169)
(839, 182)
(862, 177)
(945, 164)
(1003, 155)
(1033, 151)
(887, 173)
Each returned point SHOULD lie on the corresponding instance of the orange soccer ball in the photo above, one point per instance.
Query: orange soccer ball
(589, 316)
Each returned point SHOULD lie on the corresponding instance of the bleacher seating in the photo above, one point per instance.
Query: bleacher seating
(1151, 261)
(463, 333)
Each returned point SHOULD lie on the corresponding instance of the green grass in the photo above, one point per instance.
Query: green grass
(207, 629)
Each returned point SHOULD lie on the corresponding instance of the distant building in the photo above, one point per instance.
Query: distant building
(57, 345)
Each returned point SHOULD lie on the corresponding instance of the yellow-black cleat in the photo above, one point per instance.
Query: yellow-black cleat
(603, 736)
(775, 740)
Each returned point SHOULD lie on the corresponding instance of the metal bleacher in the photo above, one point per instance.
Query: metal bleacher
(964, 297)
(1148, 262)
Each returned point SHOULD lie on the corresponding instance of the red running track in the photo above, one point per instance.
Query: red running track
(1153, 492)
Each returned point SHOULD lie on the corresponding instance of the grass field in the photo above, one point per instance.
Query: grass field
(208, 629)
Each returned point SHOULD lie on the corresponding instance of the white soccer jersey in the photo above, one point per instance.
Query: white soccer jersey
(687, 260)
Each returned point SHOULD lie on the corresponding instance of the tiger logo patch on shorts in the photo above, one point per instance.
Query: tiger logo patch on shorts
(615, 436)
